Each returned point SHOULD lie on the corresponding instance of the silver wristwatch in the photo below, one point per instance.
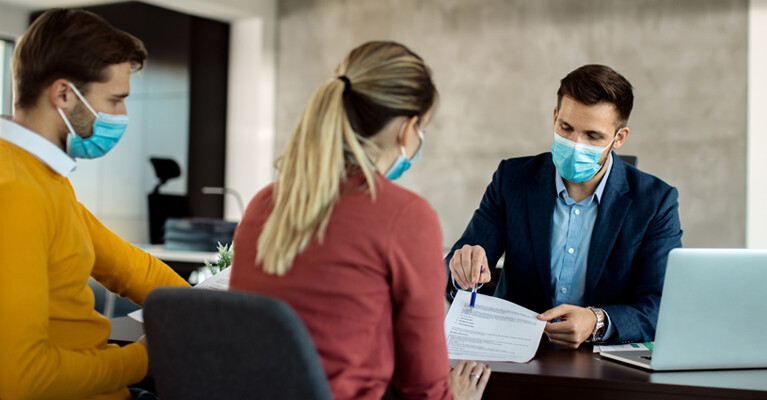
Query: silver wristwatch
(600, 328)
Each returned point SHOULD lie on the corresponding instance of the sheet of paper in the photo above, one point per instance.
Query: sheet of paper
(493, 330)
(219, 281)
(623, 347)
(138, 315)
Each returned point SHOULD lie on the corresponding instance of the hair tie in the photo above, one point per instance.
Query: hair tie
(347, 84)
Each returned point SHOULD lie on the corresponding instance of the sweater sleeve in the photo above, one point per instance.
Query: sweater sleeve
(123, 268)
(418, 282)
(30, 366)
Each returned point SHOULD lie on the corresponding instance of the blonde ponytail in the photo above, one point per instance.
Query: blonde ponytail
(326, 141)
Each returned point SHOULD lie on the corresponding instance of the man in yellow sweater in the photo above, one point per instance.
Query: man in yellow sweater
(71, 73)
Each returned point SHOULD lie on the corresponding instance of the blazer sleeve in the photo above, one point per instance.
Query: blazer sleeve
(636, 322)
(486, 228)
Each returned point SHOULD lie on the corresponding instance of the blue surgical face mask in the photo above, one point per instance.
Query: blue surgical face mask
(576, 162)
(107, 131)
(402, 163)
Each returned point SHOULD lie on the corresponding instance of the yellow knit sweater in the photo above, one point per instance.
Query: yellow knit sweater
(52, 342)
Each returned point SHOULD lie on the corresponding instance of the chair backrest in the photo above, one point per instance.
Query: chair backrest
(630, 160)
(206, 344)
(163, 206)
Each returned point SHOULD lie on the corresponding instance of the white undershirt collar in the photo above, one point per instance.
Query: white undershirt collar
(38, 146)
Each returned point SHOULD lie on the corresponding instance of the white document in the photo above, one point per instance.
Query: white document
(219, 281)
(493, 330)
(138, 315)
(623, 347)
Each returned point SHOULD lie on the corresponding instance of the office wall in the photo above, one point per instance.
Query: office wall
(497, 64)
(114, 187)
(756, 223)
(13, 20)
(12, 24)
(250, 120)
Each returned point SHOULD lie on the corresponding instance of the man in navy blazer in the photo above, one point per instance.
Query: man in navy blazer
(585, 235)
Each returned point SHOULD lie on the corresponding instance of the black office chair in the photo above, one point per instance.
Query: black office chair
(630, 160)
(163, 206)
(206, 344)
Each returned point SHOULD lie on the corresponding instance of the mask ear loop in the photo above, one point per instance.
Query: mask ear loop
(66, 121)
(614, 137)
(420, 139)
(608, 145)
(82, 98)
(71, 134)
(613, 141)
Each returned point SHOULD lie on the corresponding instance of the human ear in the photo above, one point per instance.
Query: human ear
(556, 113)
(623, 134)
(409, 129)
(60, 96)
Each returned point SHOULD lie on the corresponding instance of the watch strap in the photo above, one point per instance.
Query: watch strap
(599, 328)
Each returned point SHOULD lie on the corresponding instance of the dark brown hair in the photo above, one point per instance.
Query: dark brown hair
(76, 45)
(593, 84)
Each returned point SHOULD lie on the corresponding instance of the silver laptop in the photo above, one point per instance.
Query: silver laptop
(713, 313)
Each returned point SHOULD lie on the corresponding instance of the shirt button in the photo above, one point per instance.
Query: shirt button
(577, 212)
(563, 290)
(570, 250)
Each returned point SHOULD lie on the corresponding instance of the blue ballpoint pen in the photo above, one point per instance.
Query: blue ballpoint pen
(474, 290)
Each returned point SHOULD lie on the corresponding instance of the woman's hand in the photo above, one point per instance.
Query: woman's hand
(142, 341)
(468, 379)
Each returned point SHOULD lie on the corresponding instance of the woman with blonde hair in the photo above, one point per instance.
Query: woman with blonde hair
(356, 256)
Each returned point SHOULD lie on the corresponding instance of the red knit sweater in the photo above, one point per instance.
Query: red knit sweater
(371, 295)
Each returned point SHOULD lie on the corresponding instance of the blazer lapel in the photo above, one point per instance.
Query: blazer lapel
(540, 205)
(613, 209)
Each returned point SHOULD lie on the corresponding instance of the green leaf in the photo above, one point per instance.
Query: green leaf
(225, 254)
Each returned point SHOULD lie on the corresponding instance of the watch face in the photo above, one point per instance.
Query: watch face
(600, 333)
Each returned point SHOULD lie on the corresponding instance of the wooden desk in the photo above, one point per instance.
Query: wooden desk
(561, 374)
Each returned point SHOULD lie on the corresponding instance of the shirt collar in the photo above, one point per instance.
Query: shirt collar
(38, 146)
(562, 190)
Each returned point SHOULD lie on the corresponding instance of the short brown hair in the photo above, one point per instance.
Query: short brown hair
(72, 44)
(593, 84)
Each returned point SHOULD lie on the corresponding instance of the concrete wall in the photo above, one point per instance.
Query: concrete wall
(497, 64)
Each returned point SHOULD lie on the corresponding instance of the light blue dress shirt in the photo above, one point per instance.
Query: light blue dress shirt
(571, 227)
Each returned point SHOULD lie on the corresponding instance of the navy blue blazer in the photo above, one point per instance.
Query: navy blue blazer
(637, 225)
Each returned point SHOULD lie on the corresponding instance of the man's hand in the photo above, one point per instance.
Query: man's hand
(575, 326)
(466, 264)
